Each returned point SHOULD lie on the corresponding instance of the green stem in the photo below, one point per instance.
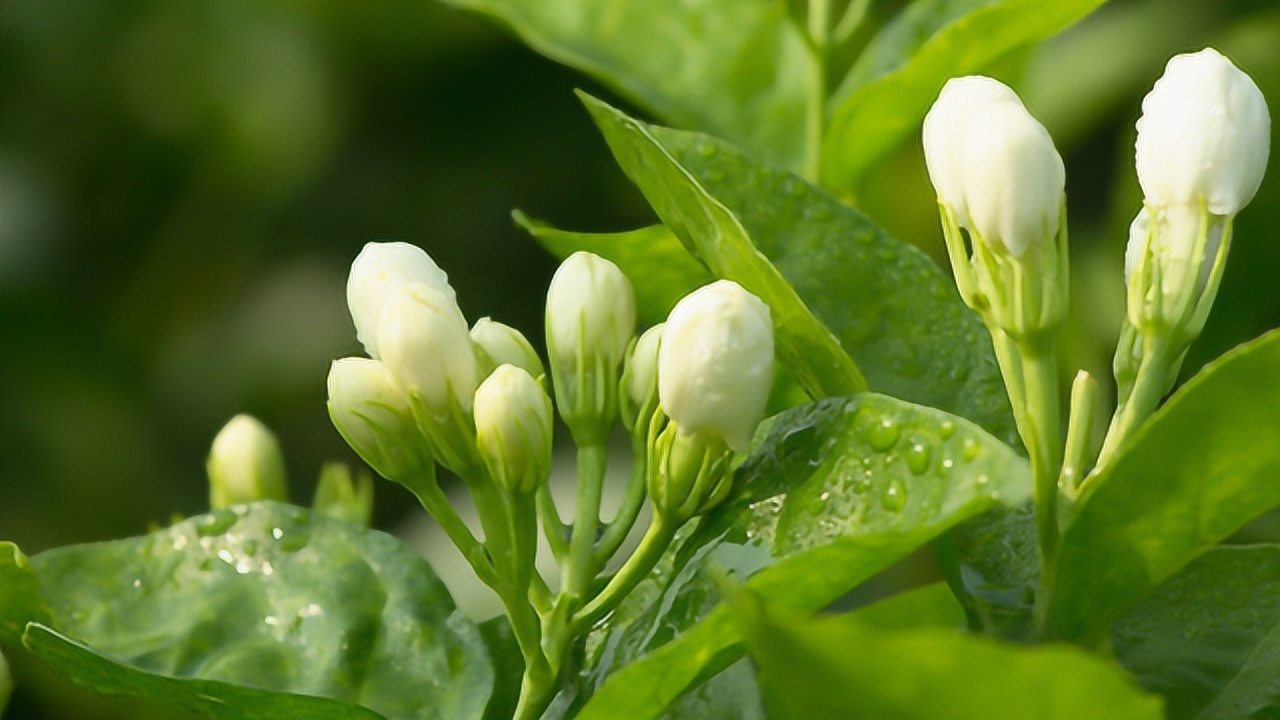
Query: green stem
(637, 567)
(854, 14)
(1149, 385)
(1040, 378)
(625, 519)
(436, 503)
(816, 102)
(553, 527)
(580, 570)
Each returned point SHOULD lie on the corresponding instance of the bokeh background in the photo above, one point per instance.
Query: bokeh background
(183, 185)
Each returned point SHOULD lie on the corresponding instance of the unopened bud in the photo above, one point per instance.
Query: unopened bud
(378, 273)
(715, 365)
(372, 414)
(505, 345)
(993, 165)
(692, 474)
(426, 345)
(639, 395)
(245, 464)
(343, 495)
(513, 429)
(591, 315)
(1204, 136)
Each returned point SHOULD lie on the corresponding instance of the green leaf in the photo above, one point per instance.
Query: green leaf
(20, 601)
(659, 267)
(836, 492)
(1203, 465)
(843, 667)
(993, 562)
(109, 676)
(1209, 638)
(264, 596)
(736, 68)
(508, 667)
(887, 94)
(837, 284)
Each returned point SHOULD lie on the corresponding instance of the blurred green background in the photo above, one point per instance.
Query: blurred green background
(183, 185)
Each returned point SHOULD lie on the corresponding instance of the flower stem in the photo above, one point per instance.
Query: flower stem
(656, 541)
(436, 503)
(625, 519)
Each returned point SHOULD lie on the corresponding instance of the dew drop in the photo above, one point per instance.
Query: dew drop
(947, 429)
(918, 456)
(250, 547)
(895, 496)
(882, 435)
(706, 149)
(969, 449)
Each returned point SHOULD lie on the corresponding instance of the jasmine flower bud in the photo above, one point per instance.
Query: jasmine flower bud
(993, 165)
(426, 345)
(344, 496)
(715, 363)
(693, 474)
(379, 272)
(639, 393)
(245, 464)
(1204, 135)
(591, 314)
(504, 345)
(372, 414)
(513, 429)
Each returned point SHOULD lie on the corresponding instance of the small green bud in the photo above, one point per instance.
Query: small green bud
(344, 496)
(692, 473)
(638, 395)
(372, 414)
(245, 464)
(591, 315)
(504, 345)
(513, 429)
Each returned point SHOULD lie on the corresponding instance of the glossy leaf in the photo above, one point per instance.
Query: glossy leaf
(1204, 465)
(737, 68)
(263, 596)
(843, 667)
(837, 491)
(106, 675)
(838, 285)
(993, 563)
(1208, 639)
(659, 267)
(20, 601)
(888, 92)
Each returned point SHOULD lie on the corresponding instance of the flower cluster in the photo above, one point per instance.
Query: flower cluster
(1202, 147)
(475, 401)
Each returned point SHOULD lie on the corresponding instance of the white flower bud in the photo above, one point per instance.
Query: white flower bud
(426, 345)
(506, 345)
(642, 366)
(993, 164)
(372, 414)
(1204, 135)
(513, 429)
(380, 271)
(591, 315)
(590, 303)
(715, 365)
(245, 464)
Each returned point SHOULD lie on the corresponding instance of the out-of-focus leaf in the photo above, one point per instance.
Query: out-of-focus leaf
(888, 92)
(1208, 639)
(1203, 465)
(20, 601)
(836, 492)
(993, 563)
(264, 596)
(659, 267)
(508, 667)
(838, 286)
(843, 667)
(109, 676)
(737, 68)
